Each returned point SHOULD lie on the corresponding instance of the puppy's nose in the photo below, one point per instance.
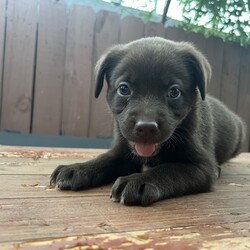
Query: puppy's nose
(146, 129)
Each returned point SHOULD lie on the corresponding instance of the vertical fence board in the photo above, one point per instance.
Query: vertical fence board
(198, 40)
(2, 39)
(244, 93)
(154, 29)
(50, 67)
(19, 65)
(128, 34)
(78, 71)
(175, 34)
(214, 54)
(106, 34)
(230, 75)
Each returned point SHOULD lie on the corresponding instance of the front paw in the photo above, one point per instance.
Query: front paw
(135, 189)
(72, 177)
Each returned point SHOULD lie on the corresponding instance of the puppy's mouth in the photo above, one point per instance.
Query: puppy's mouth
(145, 149)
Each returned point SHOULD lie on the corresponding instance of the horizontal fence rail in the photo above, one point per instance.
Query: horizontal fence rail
(48, 50)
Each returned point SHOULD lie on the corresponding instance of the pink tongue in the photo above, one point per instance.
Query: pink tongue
(144, 150)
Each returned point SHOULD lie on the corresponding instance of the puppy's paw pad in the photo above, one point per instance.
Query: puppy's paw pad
(113, 198)
(55, 174)
(133, 191)
(63, 185)
(149, 193)
(72, 177)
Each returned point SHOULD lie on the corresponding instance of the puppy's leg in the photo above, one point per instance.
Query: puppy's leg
(102, 170)
(163, 181)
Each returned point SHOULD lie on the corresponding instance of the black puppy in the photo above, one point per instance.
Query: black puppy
(169, 140)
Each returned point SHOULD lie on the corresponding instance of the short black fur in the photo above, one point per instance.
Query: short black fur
(166, 111)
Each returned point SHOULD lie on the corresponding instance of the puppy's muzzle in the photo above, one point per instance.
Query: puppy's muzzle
(147, 130)
(145, 138)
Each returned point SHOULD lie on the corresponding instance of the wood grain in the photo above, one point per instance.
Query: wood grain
(39, 217)
(153, 29)
(126, 33)
(212, 237)
(198, 40)
(175, 34)
(230, 76)
(214, 54)
(50, 68)
(2, 43)
(106, 34)
(78, 71)
(243, 101)
(19, 65)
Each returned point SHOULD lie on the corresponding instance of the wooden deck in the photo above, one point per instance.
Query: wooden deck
(35, 216)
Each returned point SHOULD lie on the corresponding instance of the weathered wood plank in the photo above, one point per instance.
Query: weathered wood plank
(50, 67)
(48, 153)
(154, 29)
(126, 33)
(175, 34)
(230, 75)
(67, 216)
(198, 40)
(244, 93)
(19, 65)
(78, 71)
(25, 166)
(29, 183)
(45, 162)
(31, 211)
(212, 237)
(214, 54)
(106, 35)
(26, 185)
(37, 185)
(2, 42)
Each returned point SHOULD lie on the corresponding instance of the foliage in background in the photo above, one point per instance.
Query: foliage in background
(141, 8)
(228, 19)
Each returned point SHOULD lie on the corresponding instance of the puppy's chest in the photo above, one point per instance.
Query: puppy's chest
(147, 165)
(145, 168)
(162, 159)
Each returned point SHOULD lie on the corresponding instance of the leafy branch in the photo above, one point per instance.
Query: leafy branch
(228, 19)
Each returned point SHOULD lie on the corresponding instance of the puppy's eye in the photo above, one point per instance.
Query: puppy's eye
(174, 93)
(123, 90)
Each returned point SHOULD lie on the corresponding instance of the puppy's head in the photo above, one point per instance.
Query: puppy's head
(153, 84)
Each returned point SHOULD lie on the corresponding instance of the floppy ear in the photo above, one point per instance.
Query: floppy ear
(104, 67)
(199, 68)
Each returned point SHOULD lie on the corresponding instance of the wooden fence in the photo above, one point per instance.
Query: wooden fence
(47, 53)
